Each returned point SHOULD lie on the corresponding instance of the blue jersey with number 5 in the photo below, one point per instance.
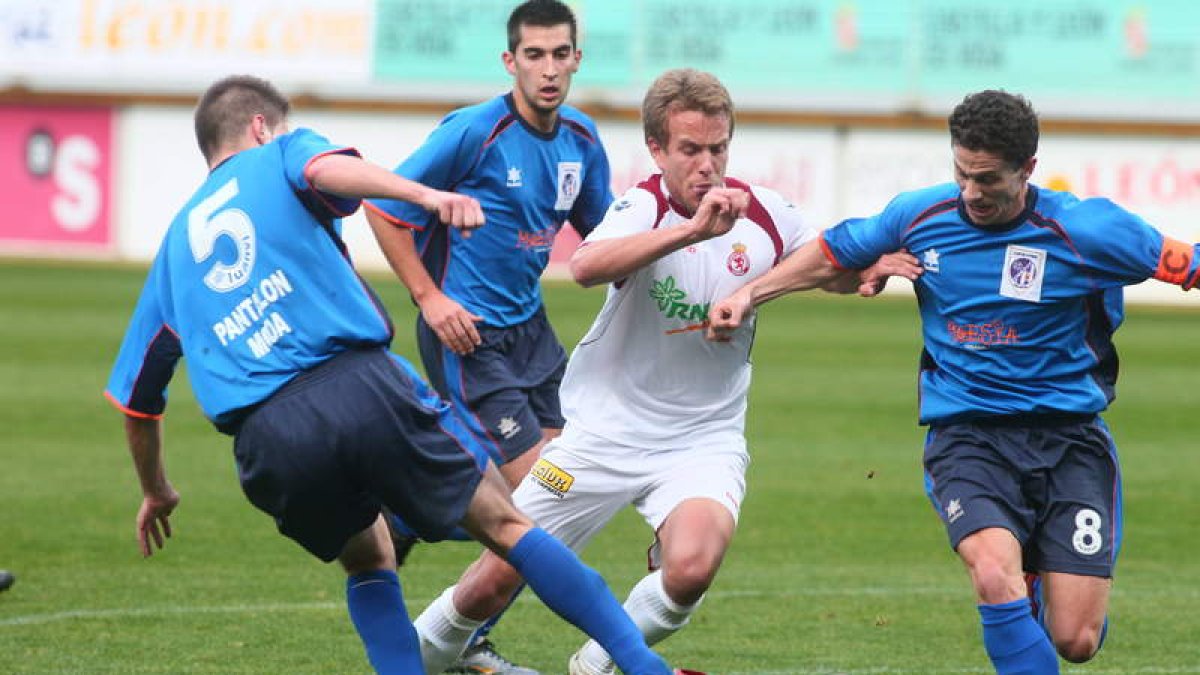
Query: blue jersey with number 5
(250, 285)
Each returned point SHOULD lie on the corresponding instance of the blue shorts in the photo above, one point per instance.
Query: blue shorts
(507, 389)
(359, 431)
(1054, 482)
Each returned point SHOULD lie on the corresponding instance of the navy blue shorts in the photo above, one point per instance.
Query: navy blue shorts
(1054, 483)
(507, 389)
(360, 430)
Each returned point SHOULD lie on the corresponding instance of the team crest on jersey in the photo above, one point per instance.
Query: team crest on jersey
(738, 262)
(514, 177)
(1024, 269)
(551, 478)
(568, 184)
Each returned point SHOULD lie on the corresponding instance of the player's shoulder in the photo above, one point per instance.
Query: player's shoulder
(917, 205)
(479, 120)
(1082, 219)
(579, 122)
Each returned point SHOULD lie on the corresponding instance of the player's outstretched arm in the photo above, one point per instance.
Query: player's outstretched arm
(450, 321)
(805, 269)
(610, 260)
(871, 281)
(159, 497)
(350, 176)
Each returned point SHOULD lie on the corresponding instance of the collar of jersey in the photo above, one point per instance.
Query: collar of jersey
(1031, 197)
(544, 135)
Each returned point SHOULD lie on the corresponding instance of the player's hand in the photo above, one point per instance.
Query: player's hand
(458, 211)
(451, 322)
(898, 264)
(153, 519)
(719, 209)
(726, 316)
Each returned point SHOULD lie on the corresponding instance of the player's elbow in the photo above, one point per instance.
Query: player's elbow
(584, 270)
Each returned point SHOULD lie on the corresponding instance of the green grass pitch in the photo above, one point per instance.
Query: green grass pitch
(839, 565)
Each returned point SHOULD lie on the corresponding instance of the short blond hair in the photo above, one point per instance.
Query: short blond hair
(683, 89)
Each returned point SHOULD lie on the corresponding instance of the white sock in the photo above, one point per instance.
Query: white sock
(443, 633)
(656, 615)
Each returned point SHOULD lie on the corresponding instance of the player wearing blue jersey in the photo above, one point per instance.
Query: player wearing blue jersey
(1020, 296)
(287, 352)
(533, 163)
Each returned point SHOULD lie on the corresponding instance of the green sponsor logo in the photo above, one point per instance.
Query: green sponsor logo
(672, 302)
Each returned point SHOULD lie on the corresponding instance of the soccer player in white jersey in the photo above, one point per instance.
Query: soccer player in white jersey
(654, 412)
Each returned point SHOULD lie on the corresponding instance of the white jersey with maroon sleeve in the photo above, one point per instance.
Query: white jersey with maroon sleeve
(644, 375)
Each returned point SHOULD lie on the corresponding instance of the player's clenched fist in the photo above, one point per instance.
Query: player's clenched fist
(719, 209)
(455, 210)
(727, 315)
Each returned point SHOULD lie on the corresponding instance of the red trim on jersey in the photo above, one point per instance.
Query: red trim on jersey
(130, 411)
(579, 129)
(1174, 262)
(940, 207)
(759, 215)
(351, 152)
(653, 185)
(504, 123)
(829, 253)
(393, 219)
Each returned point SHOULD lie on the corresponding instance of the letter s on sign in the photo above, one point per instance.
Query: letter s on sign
(77, 206)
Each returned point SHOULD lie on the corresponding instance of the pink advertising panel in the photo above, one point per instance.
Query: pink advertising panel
(55, 178)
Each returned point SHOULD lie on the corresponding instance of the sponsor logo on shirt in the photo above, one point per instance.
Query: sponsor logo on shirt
(672, 303)
(1024, 269)
(551, 478)
(929, 260)
(536, 241)
(622, 205)
(738, 263)
(983, 335)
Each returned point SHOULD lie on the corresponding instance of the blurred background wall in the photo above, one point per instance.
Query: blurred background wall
(841, 102)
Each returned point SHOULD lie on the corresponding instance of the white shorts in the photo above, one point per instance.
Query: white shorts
(581, 481)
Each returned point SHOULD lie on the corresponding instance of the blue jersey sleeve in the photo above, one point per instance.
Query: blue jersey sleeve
(148, 355)
(856, 243)
(596, 195)
(1121, 248)
(442, 162)
(301, 148)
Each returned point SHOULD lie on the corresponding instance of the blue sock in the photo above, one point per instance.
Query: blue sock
(578, 594)
(483, 631)
(377, 610)
(1015, 642)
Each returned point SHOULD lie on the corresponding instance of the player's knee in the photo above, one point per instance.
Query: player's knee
(687, 578)
(487, 585)
(1078, 647)
(993, 584)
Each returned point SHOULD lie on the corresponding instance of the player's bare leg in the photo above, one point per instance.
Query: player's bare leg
(1075, 611)
(692, 542)
(515, 471)
(1012, 637)
(376, 603)
(570, 589)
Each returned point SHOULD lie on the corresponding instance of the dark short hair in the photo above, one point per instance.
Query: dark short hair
(683, 89)
(230, 104)
(544, 13)
(998, 122)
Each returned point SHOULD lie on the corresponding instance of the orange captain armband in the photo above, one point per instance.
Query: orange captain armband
(1175, 262)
